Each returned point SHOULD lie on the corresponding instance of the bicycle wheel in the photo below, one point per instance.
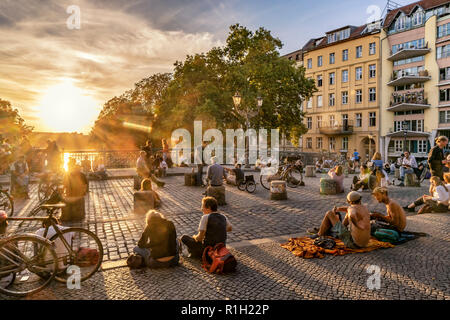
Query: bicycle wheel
(6, 203)
(294, 178)
(22, 259)
(250, 187)
(423, 175)
(85, 251)
(241, 186)
(264, 179)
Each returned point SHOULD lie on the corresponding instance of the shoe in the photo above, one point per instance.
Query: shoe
(401, 184)
(313, 230)
(406, 208)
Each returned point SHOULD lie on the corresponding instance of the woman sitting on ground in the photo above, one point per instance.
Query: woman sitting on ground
(337, 174)
(437, 202)
(158, 244)
(362, 181)
(146, 185)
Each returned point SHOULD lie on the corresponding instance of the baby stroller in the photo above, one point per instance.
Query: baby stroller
(248, 184)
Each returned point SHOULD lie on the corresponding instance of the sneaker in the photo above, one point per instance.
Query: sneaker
(314, 230)
(406, 208)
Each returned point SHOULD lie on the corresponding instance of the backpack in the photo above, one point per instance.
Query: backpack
(87, 257)
(387, 235)
(218, 259)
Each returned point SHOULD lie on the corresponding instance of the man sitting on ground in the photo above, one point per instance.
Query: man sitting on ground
(395, 218)
(354, 231)
(212, 229)
(363, 180)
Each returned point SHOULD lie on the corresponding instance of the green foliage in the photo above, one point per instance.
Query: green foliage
(11, 123)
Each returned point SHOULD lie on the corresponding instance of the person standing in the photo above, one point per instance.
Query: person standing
(409, 165)
(436, 159)
(198, 157)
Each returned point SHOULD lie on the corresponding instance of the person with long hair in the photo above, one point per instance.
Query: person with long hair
(158, 244)
(337, 174)
(146, 185)
(436, 159)
(436, 202)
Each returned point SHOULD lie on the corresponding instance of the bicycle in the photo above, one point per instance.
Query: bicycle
(48, 183)
(248, 184)
(73, 246)
(6, 202)
(290, 173)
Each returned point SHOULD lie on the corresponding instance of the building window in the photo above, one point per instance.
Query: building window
(331, 100)
(443, 30)
(309, 122)
(309, 63)
(308, 143)
(297, 57)
(332, 58)
(372, 119)
(372, 95)
(345, 55)
(444, 116)
(332, 120)
(400, 23)
(417, 18)
(444, 95)
(319, 61)
(319, 121)
(345, 143)
(359, 51)
(309, 103)
(414, 44)
(332, 78)
(358, 96)
(443, 52)
(319, 102)
(398, 144)
(332, 143)
(359, 73)
(409, 60)
(344, 97)
(422, 146)
(444, 73)
(344, 75)
(372, 71)
(372, 48)
(358, 120)
(319, 81)
(319, 143)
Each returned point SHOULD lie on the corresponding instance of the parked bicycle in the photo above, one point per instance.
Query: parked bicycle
(48, 183)
(6, 202)
(29, 262)
(290, 173)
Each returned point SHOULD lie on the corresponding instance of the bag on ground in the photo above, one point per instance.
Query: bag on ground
(218, 259)
(387, 235)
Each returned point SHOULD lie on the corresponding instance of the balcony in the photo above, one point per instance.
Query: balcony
(409, 134)
(404, 78)
(337, 129)
(394, 152)
(407, 53)
(408, 101)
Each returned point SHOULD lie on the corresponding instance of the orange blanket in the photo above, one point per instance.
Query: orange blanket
(304, 247)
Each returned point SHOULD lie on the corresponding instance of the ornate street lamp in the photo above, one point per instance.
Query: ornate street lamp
(259, 101)
(237, 99)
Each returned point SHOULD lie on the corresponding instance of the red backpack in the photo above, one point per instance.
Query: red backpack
(218, 259)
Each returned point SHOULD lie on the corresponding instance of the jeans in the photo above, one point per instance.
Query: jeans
(153, 263)
(404, 171)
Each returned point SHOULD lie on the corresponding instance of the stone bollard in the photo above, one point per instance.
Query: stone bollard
(411, 180)
(218, 193)
(310, 171)
(327, 186)
(137, 182)
(190, 179)
(278, 190)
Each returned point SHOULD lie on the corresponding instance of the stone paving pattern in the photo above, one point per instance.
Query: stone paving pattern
(418, 269)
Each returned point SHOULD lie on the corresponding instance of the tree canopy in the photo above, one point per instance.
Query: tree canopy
(12, 125)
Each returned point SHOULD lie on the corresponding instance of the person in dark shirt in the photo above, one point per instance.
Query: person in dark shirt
(158, 243)
(148, 152)
(212, 229)
(237, 175)
(436, 159)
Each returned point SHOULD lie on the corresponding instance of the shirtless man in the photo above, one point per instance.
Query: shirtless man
(395, 214)
(354, 231)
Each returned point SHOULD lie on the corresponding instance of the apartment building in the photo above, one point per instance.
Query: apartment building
(415, 78)
(343, 114)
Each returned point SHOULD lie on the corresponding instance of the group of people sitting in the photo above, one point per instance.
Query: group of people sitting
(355, 227)
(94, 169)
(158, 246)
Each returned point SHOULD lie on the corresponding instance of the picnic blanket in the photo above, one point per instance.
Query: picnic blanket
(304, 247)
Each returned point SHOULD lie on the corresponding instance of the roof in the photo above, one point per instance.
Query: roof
(408, 9)
(356, 32)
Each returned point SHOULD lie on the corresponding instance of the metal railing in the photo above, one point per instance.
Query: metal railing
(417, 97)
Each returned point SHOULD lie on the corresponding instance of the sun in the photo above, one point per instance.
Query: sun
(65, 107)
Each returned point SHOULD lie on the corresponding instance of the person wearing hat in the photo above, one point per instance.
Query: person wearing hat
(395, 217)
(436, 159)
(354, 231)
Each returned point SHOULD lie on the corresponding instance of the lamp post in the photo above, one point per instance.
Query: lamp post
(405, 133)
(370, 144)
(247, 114)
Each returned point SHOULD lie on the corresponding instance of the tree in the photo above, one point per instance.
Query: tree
(250, 63)
(12, 124)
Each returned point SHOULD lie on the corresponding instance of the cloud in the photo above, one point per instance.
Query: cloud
(116, 46)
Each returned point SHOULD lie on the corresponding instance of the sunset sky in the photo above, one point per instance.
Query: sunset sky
(59, 78)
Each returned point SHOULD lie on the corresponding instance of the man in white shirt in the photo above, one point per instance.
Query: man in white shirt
(409, 165)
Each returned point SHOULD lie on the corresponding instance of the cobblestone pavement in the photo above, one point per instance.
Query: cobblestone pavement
(418, 269)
